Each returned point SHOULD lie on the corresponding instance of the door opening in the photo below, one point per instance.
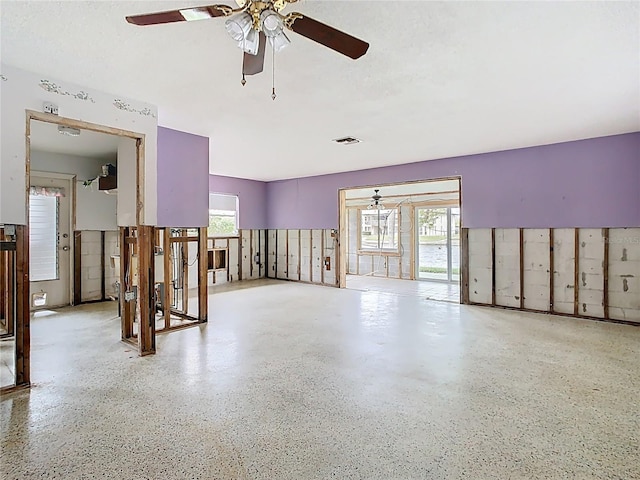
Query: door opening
(438, 244)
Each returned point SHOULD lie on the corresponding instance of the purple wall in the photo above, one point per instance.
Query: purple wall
(587, 183)
(252, 198)
(183, 168)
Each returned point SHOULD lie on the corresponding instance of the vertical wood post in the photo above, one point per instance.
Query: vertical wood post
(322, 264)
(521, 240)
(126, 310)
(167, 274)
(146, 291)
(493, 266)
(251, 253)
(77, 268)
(464, 271)
(103, 292)
(605, 268)
(240, 253)
(576, 270)
(22, 327)
(203, 298)
(299, 255)
(551, 270)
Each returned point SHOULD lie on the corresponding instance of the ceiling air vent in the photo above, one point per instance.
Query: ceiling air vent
(347, 140)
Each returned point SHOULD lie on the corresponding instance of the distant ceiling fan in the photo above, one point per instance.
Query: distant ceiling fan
(257, 21)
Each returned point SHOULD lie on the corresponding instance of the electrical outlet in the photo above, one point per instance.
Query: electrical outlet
(131, 295)
(51, 108)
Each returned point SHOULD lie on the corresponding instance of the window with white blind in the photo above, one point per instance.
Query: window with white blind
(43, 238)
(223, 215)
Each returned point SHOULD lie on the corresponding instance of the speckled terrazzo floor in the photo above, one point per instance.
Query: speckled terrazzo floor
(292, 381)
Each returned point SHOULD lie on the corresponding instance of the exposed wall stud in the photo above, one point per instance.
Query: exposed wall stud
(203, 273)
(576, 271)
(166, 299)
(77, 268)
(146, 297)
(493, 266)
(521, 240)
(551, 269)
(464, 273)
(605, 268)
(22, 327)
(103, 295)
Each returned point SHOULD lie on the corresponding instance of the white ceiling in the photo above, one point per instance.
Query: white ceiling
(45, 137)
(440, 78)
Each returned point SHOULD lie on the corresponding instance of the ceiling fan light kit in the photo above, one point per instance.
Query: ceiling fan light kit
(254, 23)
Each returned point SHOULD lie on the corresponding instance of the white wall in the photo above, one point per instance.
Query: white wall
(21, 90)
(95, 210)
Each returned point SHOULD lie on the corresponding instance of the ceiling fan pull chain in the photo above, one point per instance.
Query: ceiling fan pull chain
(273, 75)
(243, 81)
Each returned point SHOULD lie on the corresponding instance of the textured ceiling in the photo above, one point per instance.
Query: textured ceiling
(440, 78)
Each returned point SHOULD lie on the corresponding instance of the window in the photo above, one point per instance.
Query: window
(43, 238)
(379, 230)
(223, 215)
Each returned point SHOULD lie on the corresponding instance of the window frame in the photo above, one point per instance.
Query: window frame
(56, 234)
(390, 252)
(236, 233)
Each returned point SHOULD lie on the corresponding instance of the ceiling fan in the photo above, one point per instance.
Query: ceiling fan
(253, 23)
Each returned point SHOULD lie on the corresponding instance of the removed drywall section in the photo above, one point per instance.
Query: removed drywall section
(591, 272)
(306, 274)
(507, 257)
(536, 269)
(302, 255)
(606, 268)
(563, 270)
(91, 266)
(293, 255)
(480, 266)
(111, 275)
(624, 274)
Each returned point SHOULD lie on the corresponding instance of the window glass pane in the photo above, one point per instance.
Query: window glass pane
(43, 238)
(379, 229)
(223, 215)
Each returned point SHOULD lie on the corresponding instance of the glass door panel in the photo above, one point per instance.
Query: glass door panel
(432, 244)
(438, 244)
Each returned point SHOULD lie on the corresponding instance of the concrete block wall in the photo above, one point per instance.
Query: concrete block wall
(586, 272)
(507, 255)
(480, 270)
(299, 255)
(624, 274)
(91, 265)
(246, 257)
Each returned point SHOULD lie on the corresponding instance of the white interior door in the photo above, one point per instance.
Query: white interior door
(50, 242)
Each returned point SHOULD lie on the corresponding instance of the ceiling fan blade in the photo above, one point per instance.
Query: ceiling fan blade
(328, 36)
(254, 64)
(182, 15)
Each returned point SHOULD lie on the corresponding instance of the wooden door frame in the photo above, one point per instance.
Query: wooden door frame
(22, 349)
(343, 221)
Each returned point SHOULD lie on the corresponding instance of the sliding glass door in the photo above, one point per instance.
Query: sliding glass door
(438, 244)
